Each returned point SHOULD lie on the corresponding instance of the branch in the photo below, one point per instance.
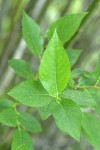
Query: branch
(86, 87)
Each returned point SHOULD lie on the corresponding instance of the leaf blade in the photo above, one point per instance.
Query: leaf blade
(91, 129)
(96, 96)
(79, 97)
(54, 71)
(66, 26)
(5, 103)
(68, 117)
(73, 55)
(21, 68)
(8, 117)
(29, 122)
(31, 93)
(32, 35)
(21, 140)
(44, 112)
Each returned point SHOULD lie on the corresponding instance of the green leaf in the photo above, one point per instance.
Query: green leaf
(80, 97)
(22, 147)
(66, 26)
(77, 72)
(96, 96)
(29, 122)
(71, 83)
(5, 103)
(73, 55)
(87, 78)
(32, 35)
(54, 71)
(31, 93)
(97, 69)
(67, 116)
(8, 117)
(91, 129)
(21, 68)
(21, 141)
(44, 112)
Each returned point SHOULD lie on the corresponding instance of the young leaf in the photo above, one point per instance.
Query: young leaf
(77, 72)
(67, 116)
(5, 103)
(21, 68)
(87, 78)
(29, 122)
(97, 69)
(80, 97)
(8, 117)
(73, 55)
(21, 141)
(31, 93)
(66, 26)
(54, 71)
(32, 35)
(91, 129)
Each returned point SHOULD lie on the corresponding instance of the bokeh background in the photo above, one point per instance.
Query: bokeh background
(12, 45)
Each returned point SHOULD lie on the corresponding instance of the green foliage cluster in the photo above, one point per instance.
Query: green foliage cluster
(59, 91)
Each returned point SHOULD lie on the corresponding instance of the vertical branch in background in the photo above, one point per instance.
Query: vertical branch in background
(90, 11)
(2, 13)
(66, 7)
(8, 41)
(9, 44)
(31, 5)
(43, 11)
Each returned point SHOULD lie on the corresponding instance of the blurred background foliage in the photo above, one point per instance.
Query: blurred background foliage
(12, 45)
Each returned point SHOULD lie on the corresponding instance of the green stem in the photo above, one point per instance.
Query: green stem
(85, 87)
(18, 123)
(97, 81)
